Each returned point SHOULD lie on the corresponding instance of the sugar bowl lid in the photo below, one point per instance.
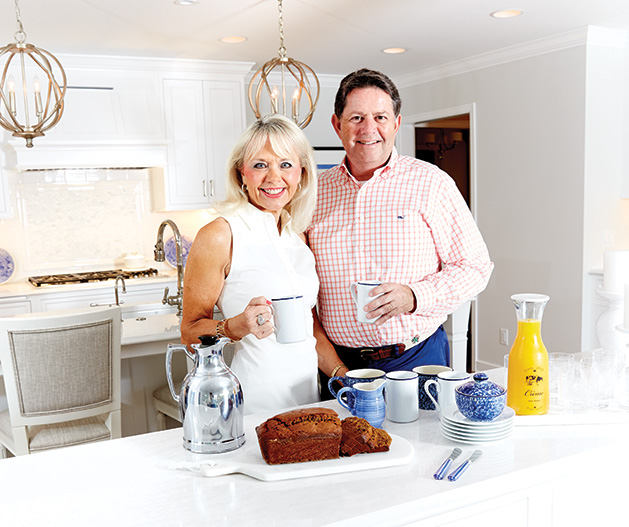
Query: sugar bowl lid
(480, 386)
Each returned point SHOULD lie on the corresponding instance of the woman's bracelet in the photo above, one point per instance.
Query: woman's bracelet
(222, 329)
(335, 370)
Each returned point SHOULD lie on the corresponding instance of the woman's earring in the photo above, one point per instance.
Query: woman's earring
(244, 188)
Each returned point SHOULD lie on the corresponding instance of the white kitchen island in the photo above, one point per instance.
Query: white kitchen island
(541, 476)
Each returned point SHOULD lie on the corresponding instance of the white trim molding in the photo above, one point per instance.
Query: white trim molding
(588, 35)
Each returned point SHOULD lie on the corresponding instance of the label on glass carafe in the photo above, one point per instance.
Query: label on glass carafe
(535, 385)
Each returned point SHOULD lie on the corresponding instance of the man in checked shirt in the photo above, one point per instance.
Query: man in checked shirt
(383, 216)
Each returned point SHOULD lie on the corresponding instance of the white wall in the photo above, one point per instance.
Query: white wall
(547, 179)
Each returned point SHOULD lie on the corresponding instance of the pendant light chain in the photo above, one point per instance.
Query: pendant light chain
(293, 76)
(282, 50)
(20, 35)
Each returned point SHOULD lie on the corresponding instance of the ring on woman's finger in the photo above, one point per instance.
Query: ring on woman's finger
(261, 320)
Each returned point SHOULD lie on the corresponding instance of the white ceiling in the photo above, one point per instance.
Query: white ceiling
(332, 36)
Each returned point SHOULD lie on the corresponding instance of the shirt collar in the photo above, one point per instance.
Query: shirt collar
(384, 171)
(252, 216)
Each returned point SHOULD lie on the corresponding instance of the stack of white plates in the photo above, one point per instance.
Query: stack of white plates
(459, 428)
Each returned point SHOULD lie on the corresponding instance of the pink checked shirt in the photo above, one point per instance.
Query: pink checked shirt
(407, 224)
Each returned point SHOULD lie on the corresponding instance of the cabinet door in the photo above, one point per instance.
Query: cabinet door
(186, 183)
(102, 105)
(15, 306)
(223, 125)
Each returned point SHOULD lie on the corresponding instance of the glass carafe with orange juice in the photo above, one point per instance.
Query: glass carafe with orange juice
(527, 376)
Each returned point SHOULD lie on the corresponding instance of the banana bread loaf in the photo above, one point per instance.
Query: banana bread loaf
(359, 437)
(307, 434)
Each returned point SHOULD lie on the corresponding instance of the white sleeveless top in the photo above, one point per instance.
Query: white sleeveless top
(274, 376)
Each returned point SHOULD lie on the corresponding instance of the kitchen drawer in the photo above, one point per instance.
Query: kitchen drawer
(15, 307)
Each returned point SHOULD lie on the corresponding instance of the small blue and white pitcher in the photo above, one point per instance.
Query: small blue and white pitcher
(368, 401)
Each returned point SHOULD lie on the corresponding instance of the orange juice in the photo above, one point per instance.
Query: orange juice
(527, 381)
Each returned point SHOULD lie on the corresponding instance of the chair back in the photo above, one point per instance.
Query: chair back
(62, 366)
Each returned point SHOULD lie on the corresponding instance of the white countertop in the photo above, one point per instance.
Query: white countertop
(26, 288)
(130, 481)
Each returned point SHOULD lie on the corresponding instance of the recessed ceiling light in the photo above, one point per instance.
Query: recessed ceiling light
(232, 40)
(507, 13)
(393, 51)
(186, 2)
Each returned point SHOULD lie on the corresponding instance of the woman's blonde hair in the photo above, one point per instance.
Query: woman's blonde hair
(285, 139)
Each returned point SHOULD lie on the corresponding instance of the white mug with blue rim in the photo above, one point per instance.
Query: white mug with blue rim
(289, 319)
(360, 294)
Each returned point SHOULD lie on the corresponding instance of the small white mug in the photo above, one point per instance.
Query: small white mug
(360, 294)
(445, 384)
(402, 396)
(289, 319)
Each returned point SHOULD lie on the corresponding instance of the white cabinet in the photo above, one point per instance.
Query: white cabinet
(112, 118)
(181, 117)
(203, 120)
(105, 105)
(14, 306)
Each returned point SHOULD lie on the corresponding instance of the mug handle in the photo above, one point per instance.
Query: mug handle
(353, 291)
(341, 401)
(331, 382)
(272, 320)
(426, 386)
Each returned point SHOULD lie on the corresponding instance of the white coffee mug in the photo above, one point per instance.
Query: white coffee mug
(289, 319)
(360, 294)
(402, 396)
(445, 384)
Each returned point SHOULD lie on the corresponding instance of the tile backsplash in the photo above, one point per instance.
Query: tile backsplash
(85, 219)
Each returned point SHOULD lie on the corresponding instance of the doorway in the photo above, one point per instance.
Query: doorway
(445, 142)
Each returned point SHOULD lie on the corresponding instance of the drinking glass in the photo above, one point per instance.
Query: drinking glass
(579, 393)
(560, 367)
(612, 365)
(599, 381)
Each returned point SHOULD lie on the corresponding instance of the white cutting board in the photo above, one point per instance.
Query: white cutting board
(248, 460)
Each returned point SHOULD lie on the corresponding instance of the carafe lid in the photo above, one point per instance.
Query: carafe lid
(529, 306)
(208, 340)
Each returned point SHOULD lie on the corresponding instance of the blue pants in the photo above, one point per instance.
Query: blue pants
(434, 350)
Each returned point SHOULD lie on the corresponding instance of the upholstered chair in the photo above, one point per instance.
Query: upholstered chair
(62, 378)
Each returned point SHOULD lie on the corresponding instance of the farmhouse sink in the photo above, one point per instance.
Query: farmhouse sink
(146, 311)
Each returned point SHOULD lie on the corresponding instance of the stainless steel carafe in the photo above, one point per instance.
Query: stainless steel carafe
(211, 401)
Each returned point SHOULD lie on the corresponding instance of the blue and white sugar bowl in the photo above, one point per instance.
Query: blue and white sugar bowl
(480, 399)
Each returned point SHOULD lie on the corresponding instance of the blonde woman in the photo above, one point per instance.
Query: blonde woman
(254, 251)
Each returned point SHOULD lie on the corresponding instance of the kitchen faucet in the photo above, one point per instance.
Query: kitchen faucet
(174, 300)
(119, 278)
